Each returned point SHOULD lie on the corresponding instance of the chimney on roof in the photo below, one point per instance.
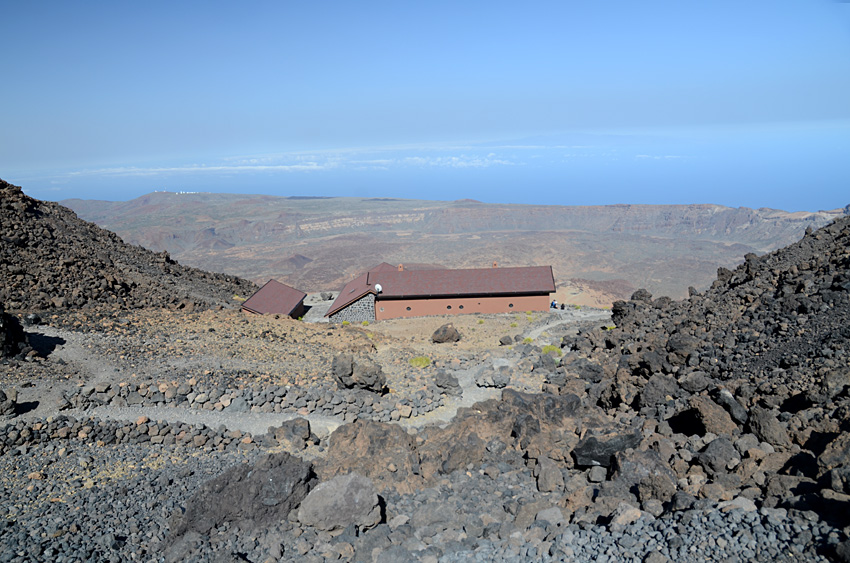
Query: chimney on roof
(401, 267)
(495, 264)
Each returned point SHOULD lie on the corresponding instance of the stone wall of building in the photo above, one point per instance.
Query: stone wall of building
(361, 310)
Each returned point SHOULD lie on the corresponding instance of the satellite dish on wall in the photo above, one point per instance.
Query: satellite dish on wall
(378, 288)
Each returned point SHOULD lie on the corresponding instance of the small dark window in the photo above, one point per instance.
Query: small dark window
(448, 306)
(408, 308)
(510, 305)
(460, 306)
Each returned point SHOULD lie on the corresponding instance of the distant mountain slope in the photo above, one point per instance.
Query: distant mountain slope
(49, 258)
(664, 248)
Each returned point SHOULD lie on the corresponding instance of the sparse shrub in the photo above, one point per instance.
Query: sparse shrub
(576, 306)
(528, 313)
(345, 323)
(513, 325)
(240, 298)
(481, 321)
(527, 340)
(549, 348)
(420, 361)
(365, 323)
(529, 318)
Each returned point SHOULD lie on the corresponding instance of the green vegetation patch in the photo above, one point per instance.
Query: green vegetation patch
(550, 348)
(420, 361)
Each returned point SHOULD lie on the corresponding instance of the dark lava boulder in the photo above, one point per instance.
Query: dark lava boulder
(261, 494)
(360, 373)
(446, 333)
(600, 450)
(13, 341)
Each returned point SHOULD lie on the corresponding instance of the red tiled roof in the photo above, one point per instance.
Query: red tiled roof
(482, 281)
(384, 267)
(274, 298)
(353, 290)
(444, 283)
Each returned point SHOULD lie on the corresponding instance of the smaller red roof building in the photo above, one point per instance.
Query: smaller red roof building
(276, 298)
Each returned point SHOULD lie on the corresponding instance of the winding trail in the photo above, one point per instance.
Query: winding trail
(257, 423)
(570, 316)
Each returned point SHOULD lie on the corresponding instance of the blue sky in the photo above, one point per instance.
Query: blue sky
(740, 103)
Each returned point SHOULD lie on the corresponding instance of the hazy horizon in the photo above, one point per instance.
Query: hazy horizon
(735, 104)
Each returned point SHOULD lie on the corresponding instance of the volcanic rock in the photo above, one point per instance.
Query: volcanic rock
(262, 493)
(360, 373)
(713, 418)
(292, 434)
(383, 452)
(448, 383)
(13, 341)
(767, 427)
(719, 456)
(343, 501)
(446, 333)
(600, 450)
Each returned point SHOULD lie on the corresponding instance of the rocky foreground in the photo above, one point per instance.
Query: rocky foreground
(715, 428)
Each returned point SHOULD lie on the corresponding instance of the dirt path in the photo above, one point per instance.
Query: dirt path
(78, 351)
(570, 316)
(259, 423)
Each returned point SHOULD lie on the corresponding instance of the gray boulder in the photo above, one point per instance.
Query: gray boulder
(292, 434)
(767, 427)
(719, 457)
(448, 383)
(358, 374)
(657, 390)
(341, 502)
(549, 476)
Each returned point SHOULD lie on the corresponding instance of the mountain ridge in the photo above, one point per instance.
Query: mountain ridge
(663, 247)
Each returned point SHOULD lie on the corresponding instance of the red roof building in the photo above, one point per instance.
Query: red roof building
(385, 292)
(276, 298)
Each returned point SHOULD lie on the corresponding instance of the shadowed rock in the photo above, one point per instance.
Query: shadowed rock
(262, 493)
(600, 450)
(13, 341)
(765, 425)
(358, 374)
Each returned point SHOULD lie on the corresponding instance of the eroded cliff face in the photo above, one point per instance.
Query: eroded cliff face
(664, 248)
